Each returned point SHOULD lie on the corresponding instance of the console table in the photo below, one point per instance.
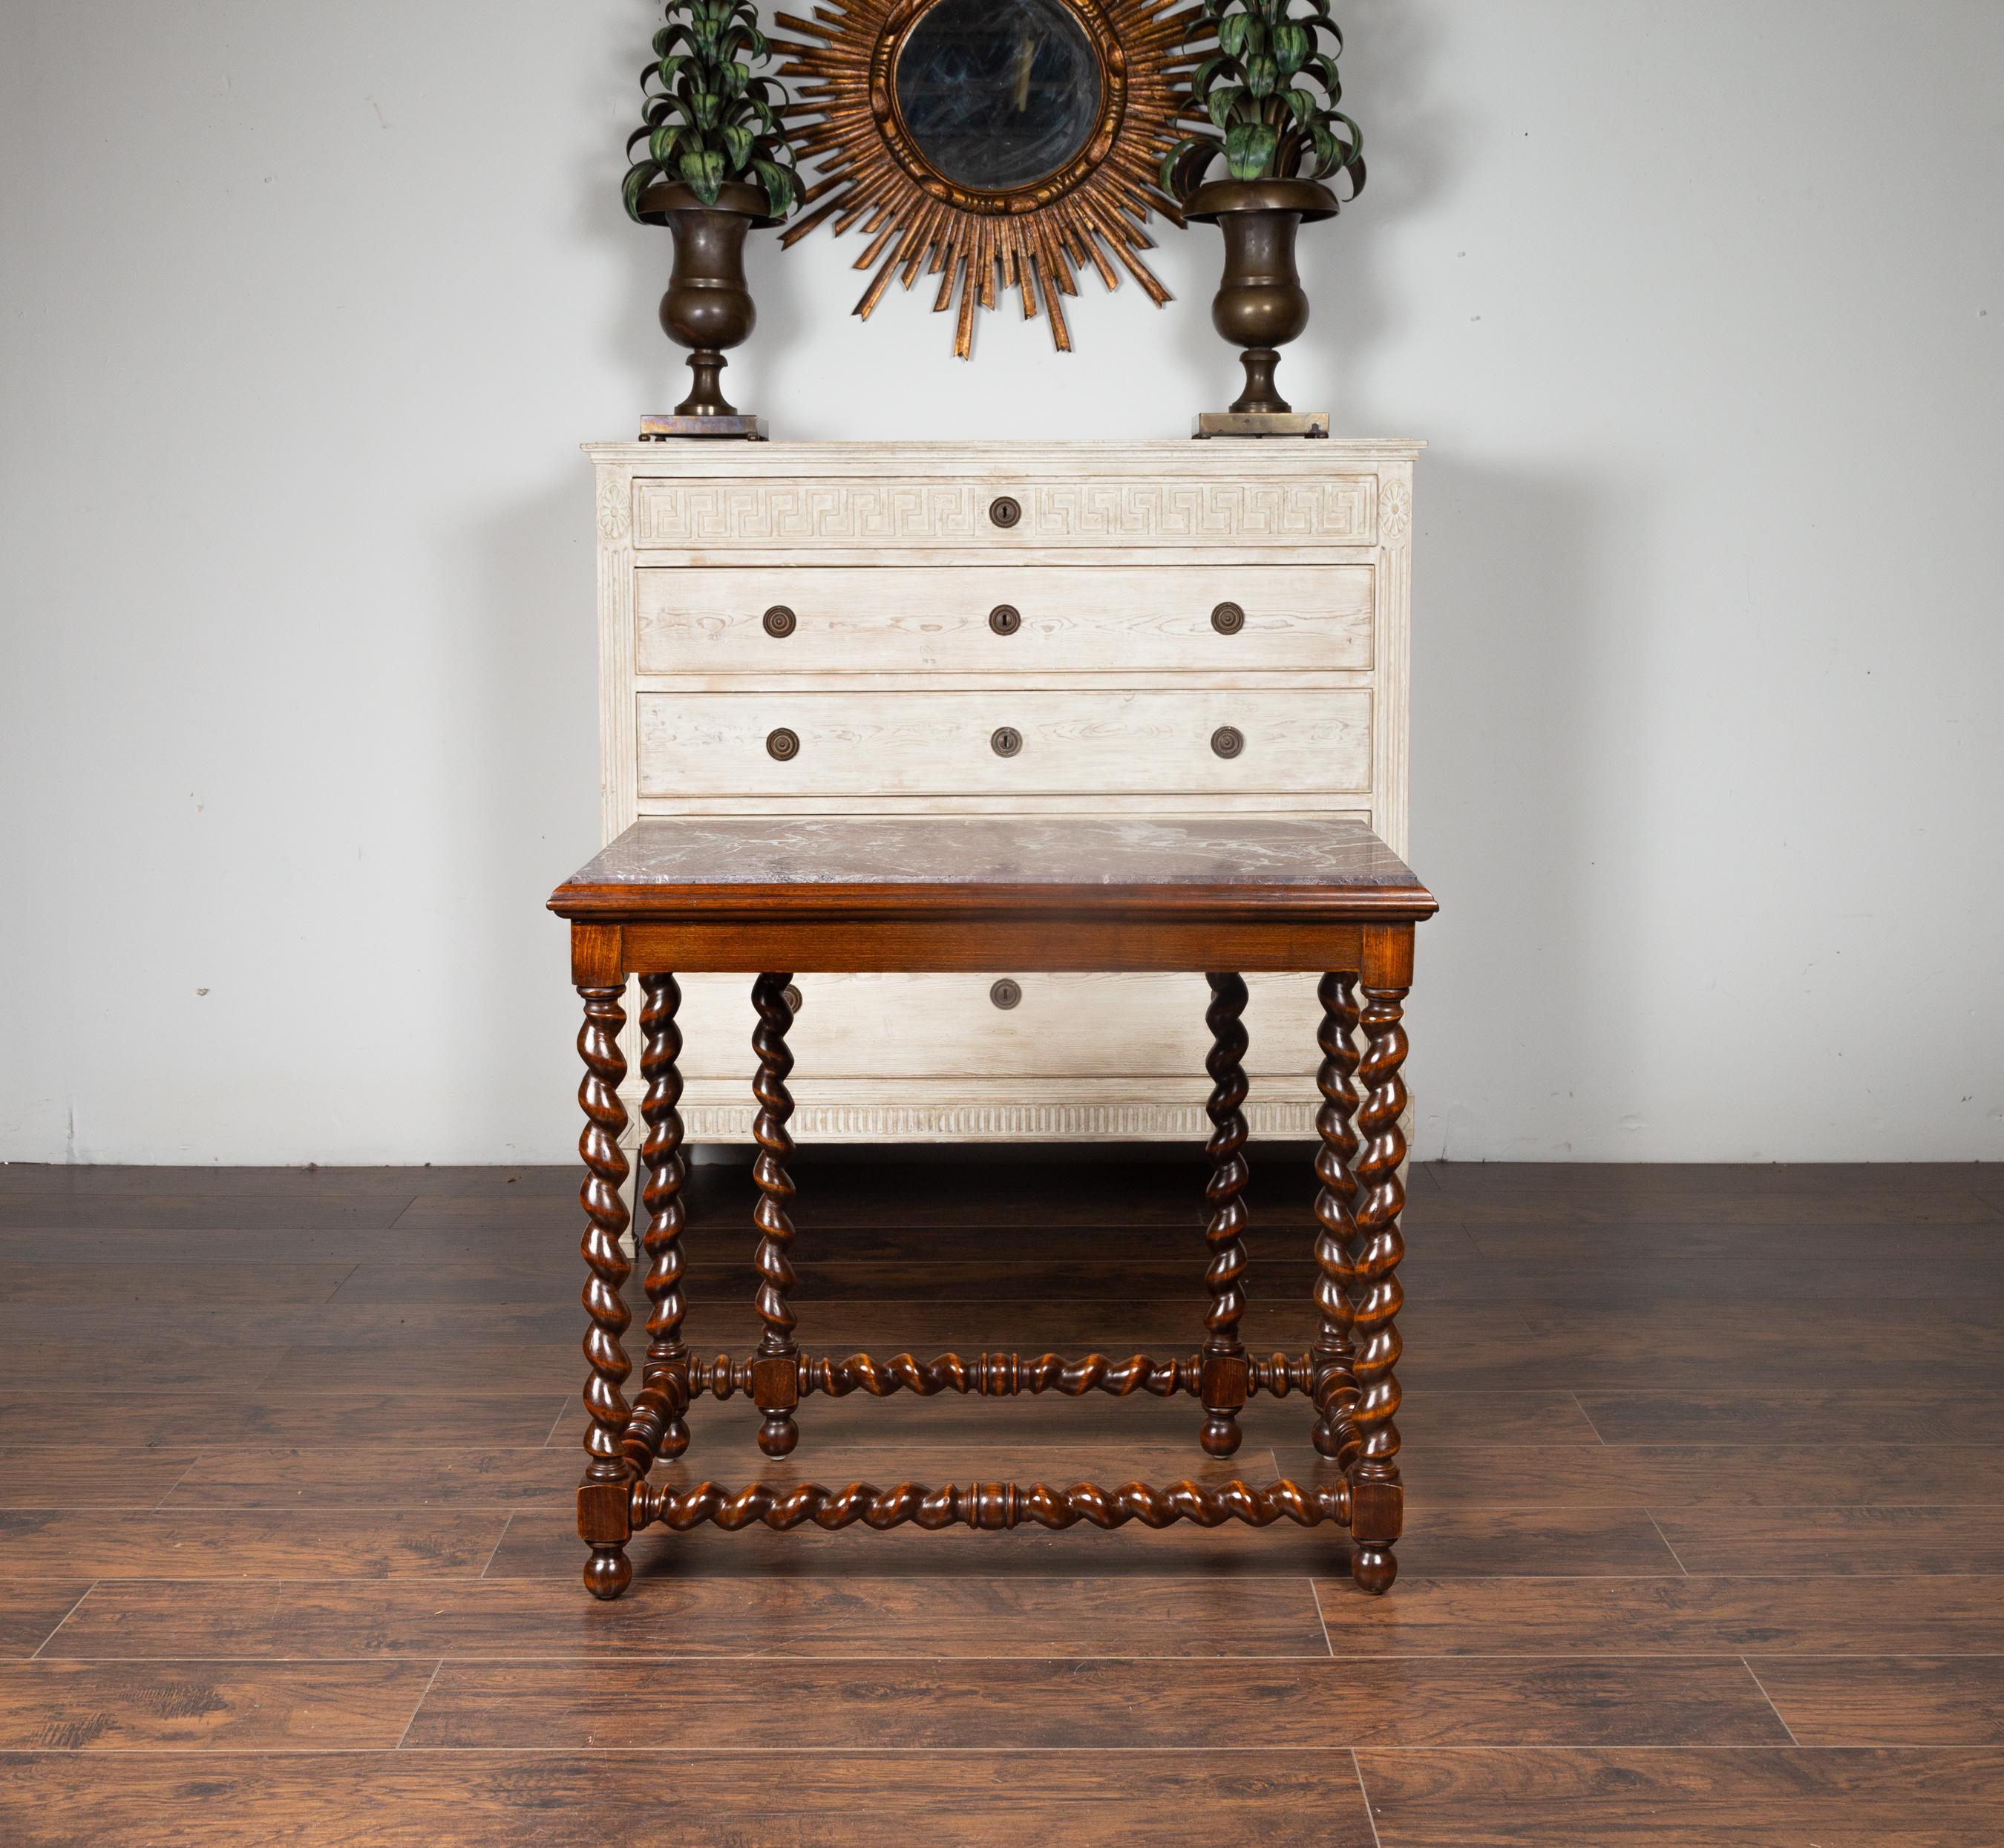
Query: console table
(769, 897)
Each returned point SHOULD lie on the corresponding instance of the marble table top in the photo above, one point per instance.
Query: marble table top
(1243, 865)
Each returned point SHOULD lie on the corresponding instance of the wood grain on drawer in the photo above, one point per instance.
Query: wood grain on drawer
(707, 513)
(1106, 741)
(892, 619)
(943, 1026)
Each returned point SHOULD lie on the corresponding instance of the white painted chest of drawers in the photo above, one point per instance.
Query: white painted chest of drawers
(901, 628)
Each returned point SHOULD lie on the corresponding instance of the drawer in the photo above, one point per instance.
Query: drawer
(1016, 620)
(889, 1027)
(1100, 742)
(1000, 512)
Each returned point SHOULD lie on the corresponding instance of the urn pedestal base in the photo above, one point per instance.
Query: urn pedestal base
(739, 423)
(1260, 423)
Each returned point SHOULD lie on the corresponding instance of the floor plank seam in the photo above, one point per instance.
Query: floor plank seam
(507, 1521)
(35, 1654)
(1580, 1405)
(780, 1574)
(1664, 1538)
(1321, 1618)
(198, 1754)
(758, 1752)
(784, 1574)
(1765, 1695)
(438, 1668)
(638, 1660)
(353, 1270)
(160, 1506)
(1429, 1748)
(556, 1424)
(1364, 1790)
(574, 1659)
(1891, 1655)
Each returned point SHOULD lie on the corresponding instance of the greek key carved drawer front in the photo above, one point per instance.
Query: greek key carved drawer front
(906, 629)
(707, 513)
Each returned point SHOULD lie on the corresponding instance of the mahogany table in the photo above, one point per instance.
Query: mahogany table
(979, 893)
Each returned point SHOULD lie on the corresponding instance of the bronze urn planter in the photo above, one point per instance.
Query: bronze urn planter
(708, 307)
(1260, 304)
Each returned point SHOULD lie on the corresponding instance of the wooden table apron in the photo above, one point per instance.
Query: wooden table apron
(1365, 971)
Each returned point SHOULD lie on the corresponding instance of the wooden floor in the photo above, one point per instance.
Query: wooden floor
(1705, 1475)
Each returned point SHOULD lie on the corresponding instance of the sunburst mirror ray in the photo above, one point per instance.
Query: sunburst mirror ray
(997, 145)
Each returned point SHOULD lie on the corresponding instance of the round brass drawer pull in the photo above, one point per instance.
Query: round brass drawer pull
(791, 996)
(1006, 994)
(1228, 619)
(781, 621)
(782, 744)
(1005, 511)
(1006, 740)
(1228, 741)
(1005, 619)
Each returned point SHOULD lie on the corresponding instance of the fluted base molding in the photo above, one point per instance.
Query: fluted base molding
(871, 1110)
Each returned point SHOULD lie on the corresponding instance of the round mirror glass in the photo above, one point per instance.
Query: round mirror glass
(998, 93)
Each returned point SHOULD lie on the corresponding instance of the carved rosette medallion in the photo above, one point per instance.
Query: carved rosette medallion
(1395, 513)
(615, 507)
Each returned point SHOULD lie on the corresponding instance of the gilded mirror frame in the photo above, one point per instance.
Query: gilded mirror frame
(846, 122)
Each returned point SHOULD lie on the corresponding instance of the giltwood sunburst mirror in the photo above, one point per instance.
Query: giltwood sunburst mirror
(997, 145)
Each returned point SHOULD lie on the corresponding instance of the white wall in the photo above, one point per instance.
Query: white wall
(306, 302)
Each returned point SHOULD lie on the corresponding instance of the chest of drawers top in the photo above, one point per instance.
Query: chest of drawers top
(995, 501)
(1130, 627)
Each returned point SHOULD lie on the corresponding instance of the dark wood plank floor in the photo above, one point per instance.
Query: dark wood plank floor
(1706, 1503)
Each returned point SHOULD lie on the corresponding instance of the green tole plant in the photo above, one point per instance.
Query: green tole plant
(1260, 91)
(708, 119)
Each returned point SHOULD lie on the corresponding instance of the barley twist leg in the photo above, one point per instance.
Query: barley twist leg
(775, 1368)
(661, 1160)
(1334, 1356)
(1377, 1499)
(608, 1471)
(1224, 1358)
